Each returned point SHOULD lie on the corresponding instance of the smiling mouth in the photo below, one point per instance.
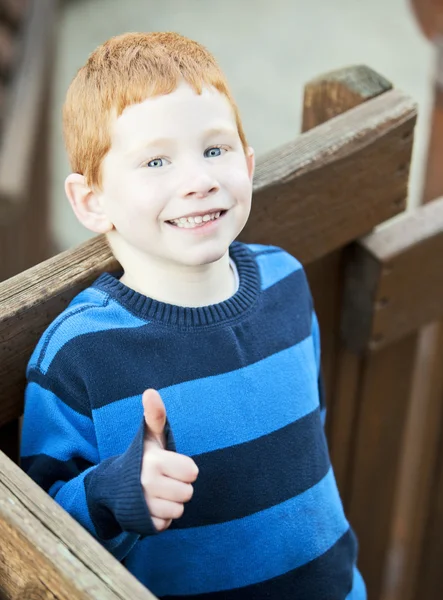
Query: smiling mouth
(199, 221)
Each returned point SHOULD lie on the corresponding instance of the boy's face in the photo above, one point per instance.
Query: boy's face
(173, 156)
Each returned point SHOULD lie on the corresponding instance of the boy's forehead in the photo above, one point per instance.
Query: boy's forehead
(183, 112)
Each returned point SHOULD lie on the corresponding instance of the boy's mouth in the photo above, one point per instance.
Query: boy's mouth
(197, 221)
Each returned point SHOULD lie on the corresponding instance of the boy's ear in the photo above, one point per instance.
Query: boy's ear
(250, 161)
(87, 204)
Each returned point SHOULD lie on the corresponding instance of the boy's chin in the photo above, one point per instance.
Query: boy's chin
(202, 256)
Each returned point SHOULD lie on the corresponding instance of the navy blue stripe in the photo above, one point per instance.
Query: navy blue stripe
(65, 385)
(241, 480)
(165, 361)
(268, 251)
(330, 576)
(46, 470)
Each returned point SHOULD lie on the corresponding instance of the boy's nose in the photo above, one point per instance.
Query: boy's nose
(200, 187)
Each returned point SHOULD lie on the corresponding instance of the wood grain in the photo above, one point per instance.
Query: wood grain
(336, 182)
(394, 284)
(28, 304)
(44, 553)
(419, 478)
(326, 97)
(383, 406)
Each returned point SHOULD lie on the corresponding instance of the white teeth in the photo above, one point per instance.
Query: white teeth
(188, 222)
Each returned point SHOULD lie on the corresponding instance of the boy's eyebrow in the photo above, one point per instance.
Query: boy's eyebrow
(166, 141)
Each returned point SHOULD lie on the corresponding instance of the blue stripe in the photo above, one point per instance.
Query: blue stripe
(316, 338)
(219, 409)
(358, 591)
(259, 248)
(330, 576)
(245, 551)
(80, 319)
(68, 429)
(275, 266)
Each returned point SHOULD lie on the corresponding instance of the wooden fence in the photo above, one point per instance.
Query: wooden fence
(321, 197)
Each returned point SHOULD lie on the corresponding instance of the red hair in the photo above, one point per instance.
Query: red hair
(126, 70)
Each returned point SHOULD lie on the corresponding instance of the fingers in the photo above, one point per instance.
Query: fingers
(165, 509)
(155, 415)
(173, 490)
(161, 524)
(178, 466)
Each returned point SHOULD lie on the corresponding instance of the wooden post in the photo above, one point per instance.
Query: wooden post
(324, 98)
(413, 572)
(382, 315)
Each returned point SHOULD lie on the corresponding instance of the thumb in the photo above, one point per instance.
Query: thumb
(155, 415)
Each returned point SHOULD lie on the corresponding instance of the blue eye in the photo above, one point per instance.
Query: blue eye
(155, 163)
(212, 152)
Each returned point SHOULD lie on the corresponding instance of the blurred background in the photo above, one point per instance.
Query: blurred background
(268, 50)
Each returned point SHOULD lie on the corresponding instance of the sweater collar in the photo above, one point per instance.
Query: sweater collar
(187, 317)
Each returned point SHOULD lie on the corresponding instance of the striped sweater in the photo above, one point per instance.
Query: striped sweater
(240, 382)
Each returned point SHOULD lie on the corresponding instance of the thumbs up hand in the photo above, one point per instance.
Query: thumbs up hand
(166, 477)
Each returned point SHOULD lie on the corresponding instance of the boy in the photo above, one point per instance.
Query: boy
(173, 409)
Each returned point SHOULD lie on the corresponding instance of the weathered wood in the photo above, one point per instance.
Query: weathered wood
(394, 284)
(28, 304)
(416, 487)
(44, 553)
(324, 98)
(384, 392)
(25, 101)
(334, 93)
(313, 182)
(412, 571)
(325, 283)
(429, 582)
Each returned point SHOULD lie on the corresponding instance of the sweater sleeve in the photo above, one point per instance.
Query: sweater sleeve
(59, 452)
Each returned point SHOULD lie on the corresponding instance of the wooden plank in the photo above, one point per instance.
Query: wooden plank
(45, 554)
(324, 98)
(415, 551)
(380, 424)
(395, 284)
(334, 93)
(25, 102)
(28, 304)
(429, 583)
(325, 283)
(417, 487)
(313, 182)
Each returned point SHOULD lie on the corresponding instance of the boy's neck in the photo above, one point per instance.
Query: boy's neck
(182, 286)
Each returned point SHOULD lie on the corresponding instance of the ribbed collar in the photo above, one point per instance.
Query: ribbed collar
(187, 317)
